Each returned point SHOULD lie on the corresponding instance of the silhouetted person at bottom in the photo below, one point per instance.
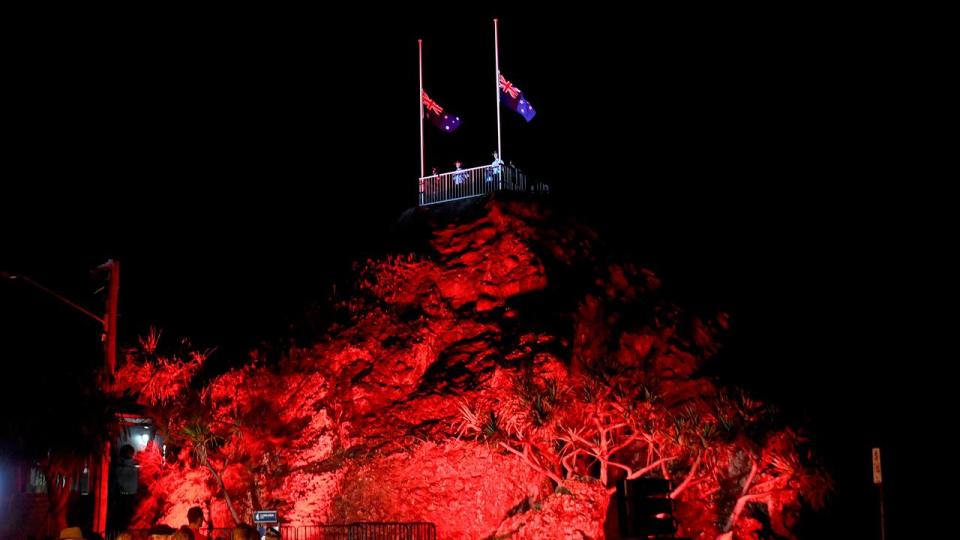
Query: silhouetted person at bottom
(71, 533)
(161, 532)
(195, 521)
(245, 532)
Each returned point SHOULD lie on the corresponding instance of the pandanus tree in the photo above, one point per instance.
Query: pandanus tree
(202, 441)
(221, 422)
(163, 383)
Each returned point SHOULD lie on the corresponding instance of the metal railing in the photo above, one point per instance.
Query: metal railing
(389, 531)
(466, 183)
(349, 531)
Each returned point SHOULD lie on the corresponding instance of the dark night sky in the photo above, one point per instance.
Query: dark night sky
(236, 163)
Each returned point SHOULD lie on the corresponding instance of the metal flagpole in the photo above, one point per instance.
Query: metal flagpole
(420, 97)
(496, 55)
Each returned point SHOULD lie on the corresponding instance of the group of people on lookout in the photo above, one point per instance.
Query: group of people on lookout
(494, 171)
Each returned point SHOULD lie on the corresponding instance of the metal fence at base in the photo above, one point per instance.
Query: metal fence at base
(348, 531)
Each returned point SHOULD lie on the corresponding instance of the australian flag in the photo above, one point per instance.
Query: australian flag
(438, 117)
(512, 97)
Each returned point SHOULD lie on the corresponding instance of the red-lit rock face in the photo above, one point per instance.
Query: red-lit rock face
(498, 382)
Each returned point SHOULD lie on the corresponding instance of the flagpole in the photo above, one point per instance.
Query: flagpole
(496, 57)
(420, 97)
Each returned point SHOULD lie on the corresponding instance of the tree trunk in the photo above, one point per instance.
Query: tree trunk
(223, 488)
(693, 471)
(604, 476)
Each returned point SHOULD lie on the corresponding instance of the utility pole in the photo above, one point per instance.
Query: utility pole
(110, 321)
(878, 481)
(110, 366)
(109, 338)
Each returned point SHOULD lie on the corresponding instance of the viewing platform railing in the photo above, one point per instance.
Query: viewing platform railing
(466, 183)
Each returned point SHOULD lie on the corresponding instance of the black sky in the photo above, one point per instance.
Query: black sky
(235, 163)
